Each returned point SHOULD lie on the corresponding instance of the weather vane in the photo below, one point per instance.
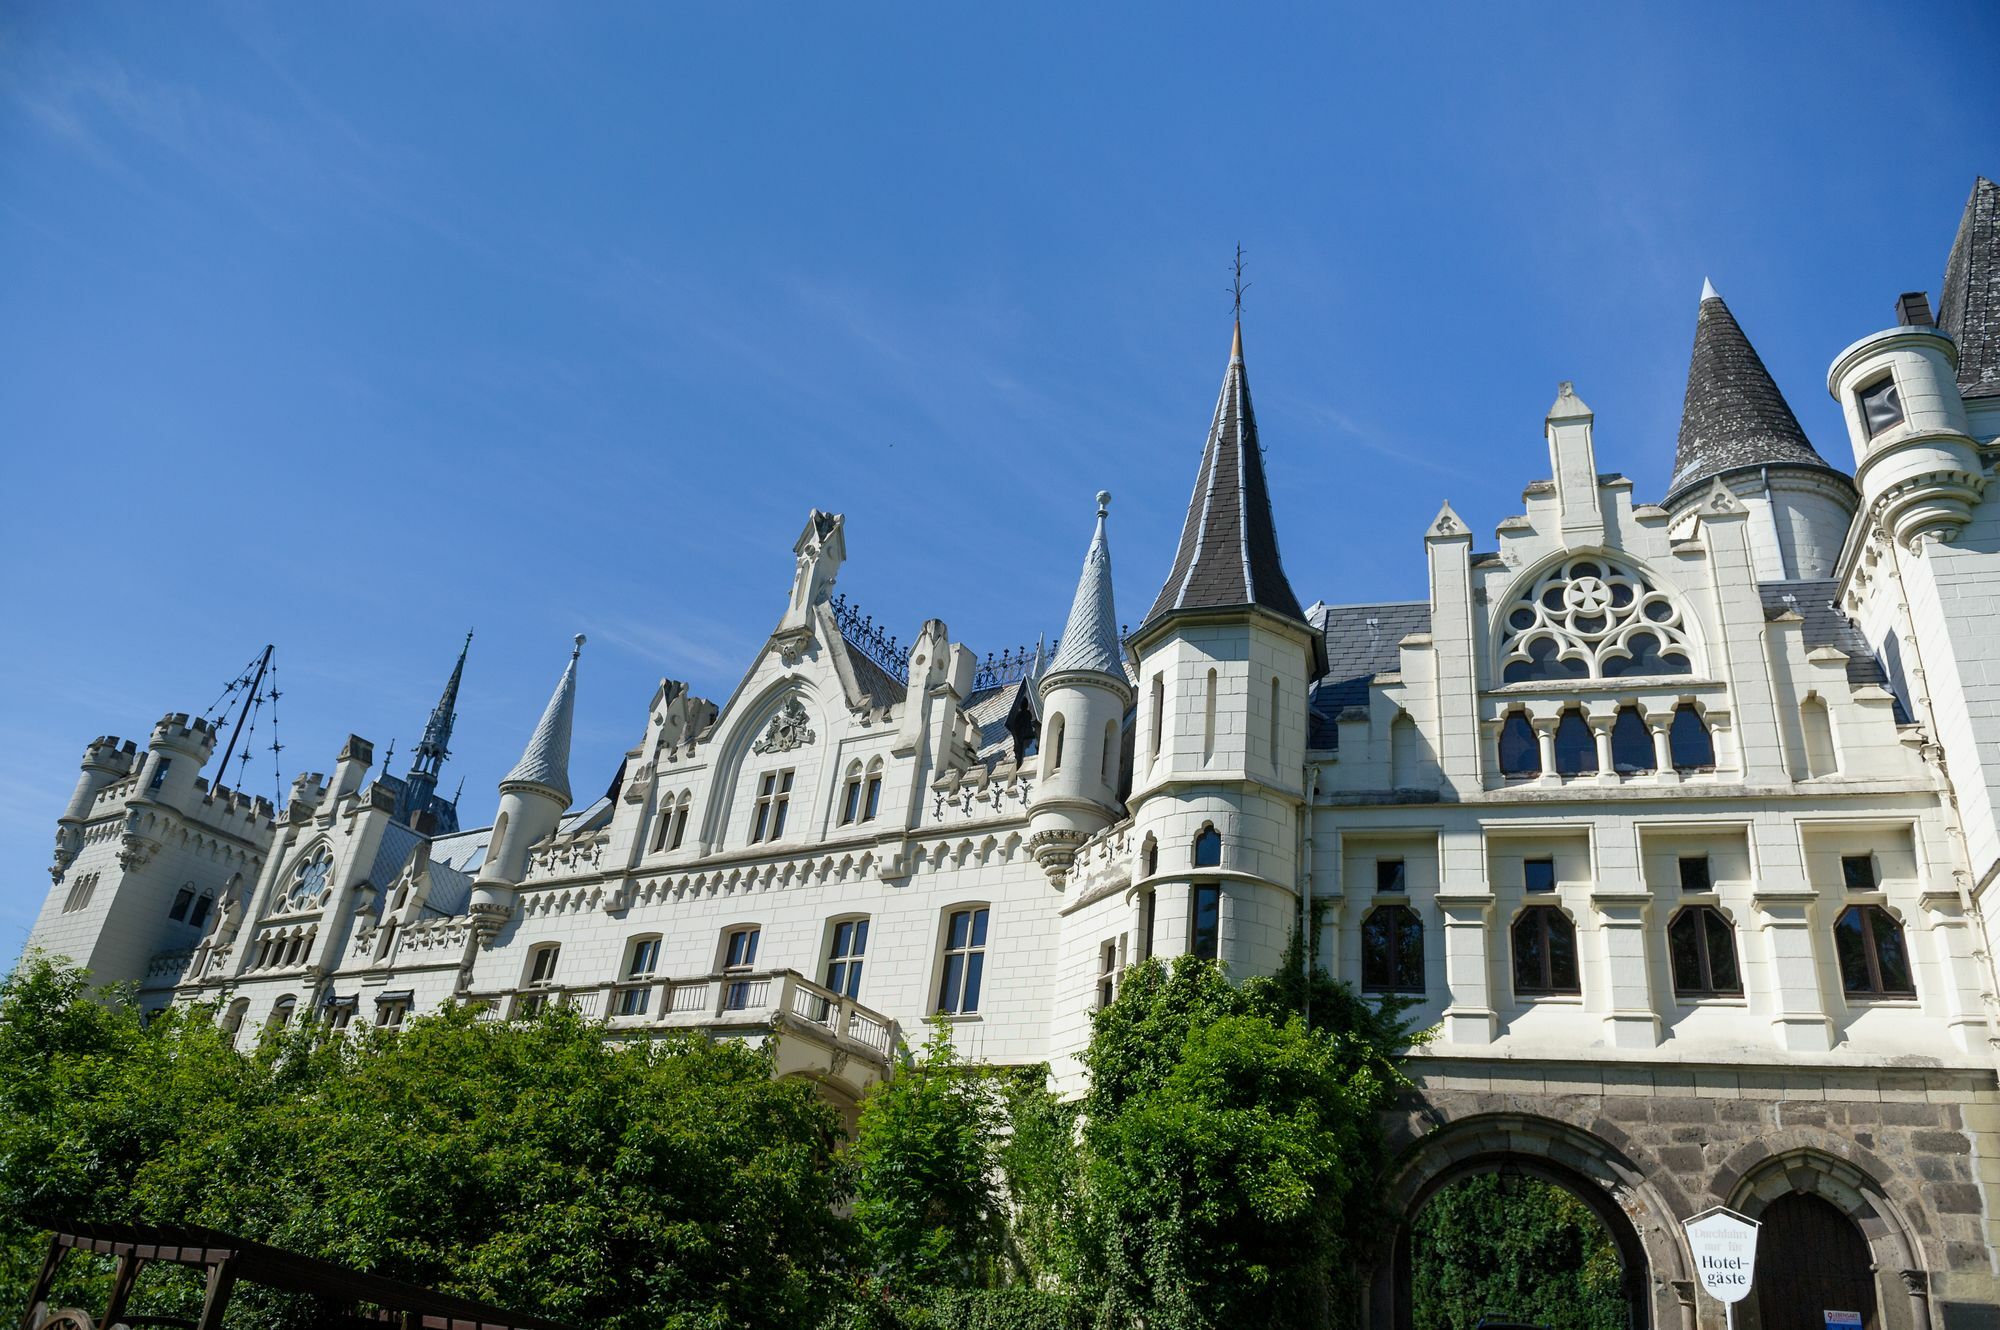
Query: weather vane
(1239, 286)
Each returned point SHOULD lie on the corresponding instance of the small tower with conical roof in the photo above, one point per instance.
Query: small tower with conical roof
(1737, 427)
(1085, 695)
(533, 798)
(1225, 658)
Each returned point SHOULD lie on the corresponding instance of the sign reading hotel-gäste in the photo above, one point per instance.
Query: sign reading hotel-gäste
(1724, 1245)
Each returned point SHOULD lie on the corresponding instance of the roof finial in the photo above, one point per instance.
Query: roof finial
(579, 647)
(1708, 291)
(1103, 503)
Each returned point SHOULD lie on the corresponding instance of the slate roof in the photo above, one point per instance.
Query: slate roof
(1733, 415)
(1970, 307)
(989, 709)
(1362, 641)
(876, 681)
(1090, 639)
(1228, 553)
(1825, 625)
(545, 762)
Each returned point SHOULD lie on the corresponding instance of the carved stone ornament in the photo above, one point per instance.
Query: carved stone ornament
(789, 730)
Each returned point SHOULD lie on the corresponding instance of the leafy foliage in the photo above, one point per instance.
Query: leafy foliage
(534, 1165)
(1529, 1252)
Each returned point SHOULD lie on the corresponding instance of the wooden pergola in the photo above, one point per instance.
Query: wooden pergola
(360, 1300)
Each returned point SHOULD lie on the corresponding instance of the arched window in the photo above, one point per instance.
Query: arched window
(1392, 951)
(1689, 741)
(202, 905)
(1054, 747)
(232, 1020)
(663, 824)
(850, 795)
(1159, 711)
(182, 899)
(847, 947)
(1702, 947)
(1632, 743)
(1149, 858)
(281, 1012)
(681, 820)
(1592, 618)
(1208, 848)
(1817, 727)
(1576, 746)
(871, 792)
(1544, 953)
(1520, 753)
(309, 879)
(1874, 962)
(964, 960)
(1107, 764)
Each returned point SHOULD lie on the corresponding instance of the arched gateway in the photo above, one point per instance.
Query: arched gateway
(1641, 1222)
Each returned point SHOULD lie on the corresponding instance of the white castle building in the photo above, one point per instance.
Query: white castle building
(1677, 815)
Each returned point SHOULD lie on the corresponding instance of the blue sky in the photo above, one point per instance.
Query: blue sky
(351, 327)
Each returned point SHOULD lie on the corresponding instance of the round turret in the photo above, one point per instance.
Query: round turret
(176, 751)
(1916, 462)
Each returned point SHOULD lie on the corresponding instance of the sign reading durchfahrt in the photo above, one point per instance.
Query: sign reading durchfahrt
(1724, 1244)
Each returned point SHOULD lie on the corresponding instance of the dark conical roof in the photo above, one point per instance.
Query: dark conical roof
(1970, 308)
(1734, 416)
(1229, 545)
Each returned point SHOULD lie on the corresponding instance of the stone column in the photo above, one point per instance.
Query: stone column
(1663, 748)
(1465, 900)
(1545, 745)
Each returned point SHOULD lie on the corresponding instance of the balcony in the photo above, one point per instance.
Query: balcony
(834, 1040)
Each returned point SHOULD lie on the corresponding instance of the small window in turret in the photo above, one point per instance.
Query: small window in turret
(181, 903)
(1881, 406)
(1208, 848)
(159, 775)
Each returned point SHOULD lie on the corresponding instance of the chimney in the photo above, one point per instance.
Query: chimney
(1913, 310)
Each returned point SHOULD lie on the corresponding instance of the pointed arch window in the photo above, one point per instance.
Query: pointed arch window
(1689, 741)
(1054, 747)
(1159, 711)
(1576, 746)
(1107, 763)
(1874, 961)
(1701, 945)
(1593, 618)
(1632, 743)
(1545, 953)
(1208, 848)
(309, 879)
(1520, 751)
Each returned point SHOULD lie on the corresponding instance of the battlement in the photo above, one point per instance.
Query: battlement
(109, 752)
(178, 729)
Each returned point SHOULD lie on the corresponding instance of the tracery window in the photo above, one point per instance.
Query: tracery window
(1591, 618)
(309, 880)
(1392, 951)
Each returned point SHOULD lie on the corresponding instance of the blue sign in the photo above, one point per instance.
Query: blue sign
(1843, 1320)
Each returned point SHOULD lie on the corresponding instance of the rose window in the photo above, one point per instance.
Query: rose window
(309, 880)
(1593, 619)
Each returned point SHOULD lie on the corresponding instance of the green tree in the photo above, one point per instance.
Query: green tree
(529, 1164)
(1527, 1250)
(926, 1194)
(1230, 1148)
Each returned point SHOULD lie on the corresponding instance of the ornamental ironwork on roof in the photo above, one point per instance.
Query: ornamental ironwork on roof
(1090, 640)
(1970, 307)
(1733, 416)
(545, 763)
(1228, 554)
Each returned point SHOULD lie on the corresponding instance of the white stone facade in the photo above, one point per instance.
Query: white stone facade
(1776, 700)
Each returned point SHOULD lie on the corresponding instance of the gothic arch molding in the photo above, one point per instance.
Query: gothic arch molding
(742, 730)
(1641, 1222)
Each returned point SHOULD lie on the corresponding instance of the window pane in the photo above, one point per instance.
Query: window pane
(874, 796)
(1721, 952)
(750, 947)
(770, 778)
(975, 966)
(1631, 742)
(777, 819)
(1375, 966)
(1857, 872)
(1893, 960)
(961, 928)
(954, 976)
(1539, 874)
(1881, 406)
(979, 928)
(1562, 953)
(1688, 740)
(1207, 918)
(1208, 849)
(1694, 873)
(757, 827)
(1409, 951)
(860, 937)
(1528, 958)
(1389, 875)
(1852, 950)
(852, 802)
(1683, 950)
(785, 782)
(1520, 754)
(1576, 747)
(843, 937)
(853, 988)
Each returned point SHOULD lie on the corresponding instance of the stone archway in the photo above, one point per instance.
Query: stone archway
(1763, 1174)
(1641, 1222)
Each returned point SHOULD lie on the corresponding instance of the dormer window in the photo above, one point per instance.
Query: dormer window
(1881, 406)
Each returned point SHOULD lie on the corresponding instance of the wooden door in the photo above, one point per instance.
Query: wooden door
(1811, 1259)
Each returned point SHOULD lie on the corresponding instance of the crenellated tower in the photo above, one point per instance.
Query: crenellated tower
(1085, 697)
(1225, 658)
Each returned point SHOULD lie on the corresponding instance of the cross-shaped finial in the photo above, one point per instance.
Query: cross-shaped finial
(1239, 286)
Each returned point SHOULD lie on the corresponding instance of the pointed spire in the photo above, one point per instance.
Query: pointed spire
(1228, 554)
(1090, 639)
(1970, 307)
(545, 763)
(435, 746)
(1733, 416)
